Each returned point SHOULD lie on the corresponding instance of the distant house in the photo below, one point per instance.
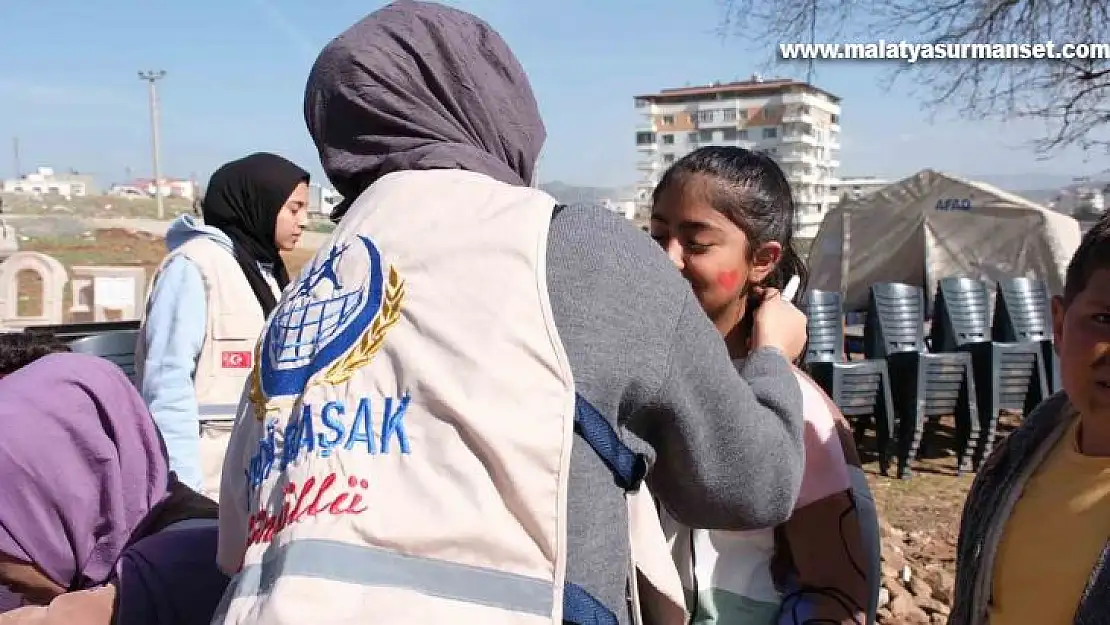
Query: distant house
(146, 187)
(45, 181)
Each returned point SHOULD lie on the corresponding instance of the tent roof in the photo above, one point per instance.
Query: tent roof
(903, 234)
(930, 177)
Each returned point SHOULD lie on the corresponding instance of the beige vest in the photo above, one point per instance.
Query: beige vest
(406, 450)
(227, 354)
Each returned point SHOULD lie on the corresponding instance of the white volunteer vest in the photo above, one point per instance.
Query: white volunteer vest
(227, 354)
(405, 454)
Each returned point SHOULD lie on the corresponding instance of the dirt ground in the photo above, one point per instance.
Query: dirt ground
(927, 507)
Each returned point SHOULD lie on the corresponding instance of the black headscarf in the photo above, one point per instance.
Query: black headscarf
(417, 85)
(243, 200)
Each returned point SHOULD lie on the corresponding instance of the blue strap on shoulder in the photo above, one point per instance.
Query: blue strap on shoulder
(629, 469)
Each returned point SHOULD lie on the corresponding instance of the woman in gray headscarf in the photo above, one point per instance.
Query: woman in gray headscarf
(425, 122)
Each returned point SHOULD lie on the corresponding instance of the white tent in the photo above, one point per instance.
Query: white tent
(933, 225)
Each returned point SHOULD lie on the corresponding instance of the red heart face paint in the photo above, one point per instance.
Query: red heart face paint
(728, 279)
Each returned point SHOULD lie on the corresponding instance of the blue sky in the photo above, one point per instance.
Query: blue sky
(236, 72)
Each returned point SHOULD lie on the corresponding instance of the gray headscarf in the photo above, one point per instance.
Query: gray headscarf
(416, 85)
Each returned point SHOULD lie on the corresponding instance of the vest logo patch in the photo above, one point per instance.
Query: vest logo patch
(330, 324)
(235, 360)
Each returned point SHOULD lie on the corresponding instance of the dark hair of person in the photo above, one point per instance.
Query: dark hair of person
(1093, 254)
(20, 349)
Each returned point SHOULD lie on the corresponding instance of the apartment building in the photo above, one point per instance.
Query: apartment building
(796, 123)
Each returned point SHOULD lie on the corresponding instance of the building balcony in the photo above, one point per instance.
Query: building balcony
(795, 117)
(799, 156)
(797, 178)
(647, 147)
(648, 165)
(834, 128)
(832, 164)
(799, 137)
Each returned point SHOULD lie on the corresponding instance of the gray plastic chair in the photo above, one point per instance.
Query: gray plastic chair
(1008, 375)
(859, 388)
(118, 347)
(1023, 314)
(925, 384)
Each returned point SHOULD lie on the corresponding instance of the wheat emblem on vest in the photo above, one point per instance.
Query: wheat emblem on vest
(329, 324)
(362, 352)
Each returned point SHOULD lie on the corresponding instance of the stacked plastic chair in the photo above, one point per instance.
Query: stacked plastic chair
(861, 388)
(1023, 314)
(924, 384)
(1008, 375)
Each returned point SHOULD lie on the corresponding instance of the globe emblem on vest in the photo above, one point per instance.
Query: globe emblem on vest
(330, 322)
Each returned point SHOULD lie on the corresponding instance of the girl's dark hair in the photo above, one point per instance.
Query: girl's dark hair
(751, 190)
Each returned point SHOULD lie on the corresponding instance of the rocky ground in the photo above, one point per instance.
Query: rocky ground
(920, 523)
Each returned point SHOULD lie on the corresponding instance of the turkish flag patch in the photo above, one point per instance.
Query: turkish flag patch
(235, 360)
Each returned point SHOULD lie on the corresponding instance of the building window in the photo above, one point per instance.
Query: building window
(668, 120)
(742, 134)
(668, 159)
(645, 138)
(668, 139)
(729, 115)
(743, 115)
(834, 119)
(692, 137)
(705, 136)
(729, 134)
(706, 116)
(770, 133)
(641, 103)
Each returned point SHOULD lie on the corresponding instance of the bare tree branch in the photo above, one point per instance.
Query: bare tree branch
(1072, 96)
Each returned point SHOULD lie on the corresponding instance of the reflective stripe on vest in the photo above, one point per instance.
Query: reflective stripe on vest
(217, 410)
(372, 566)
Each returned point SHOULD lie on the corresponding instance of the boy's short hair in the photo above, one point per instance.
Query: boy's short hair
(18, 350)
(1093, 254)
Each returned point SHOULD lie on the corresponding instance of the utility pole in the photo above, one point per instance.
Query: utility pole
(15, 158)
(152, 77)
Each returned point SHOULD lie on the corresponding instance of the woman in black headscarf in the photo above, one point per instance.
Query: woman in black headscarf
(208, 303)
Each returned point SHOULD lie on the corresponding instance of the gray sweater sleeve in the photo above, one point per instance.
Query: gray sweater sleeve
(729, 448)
